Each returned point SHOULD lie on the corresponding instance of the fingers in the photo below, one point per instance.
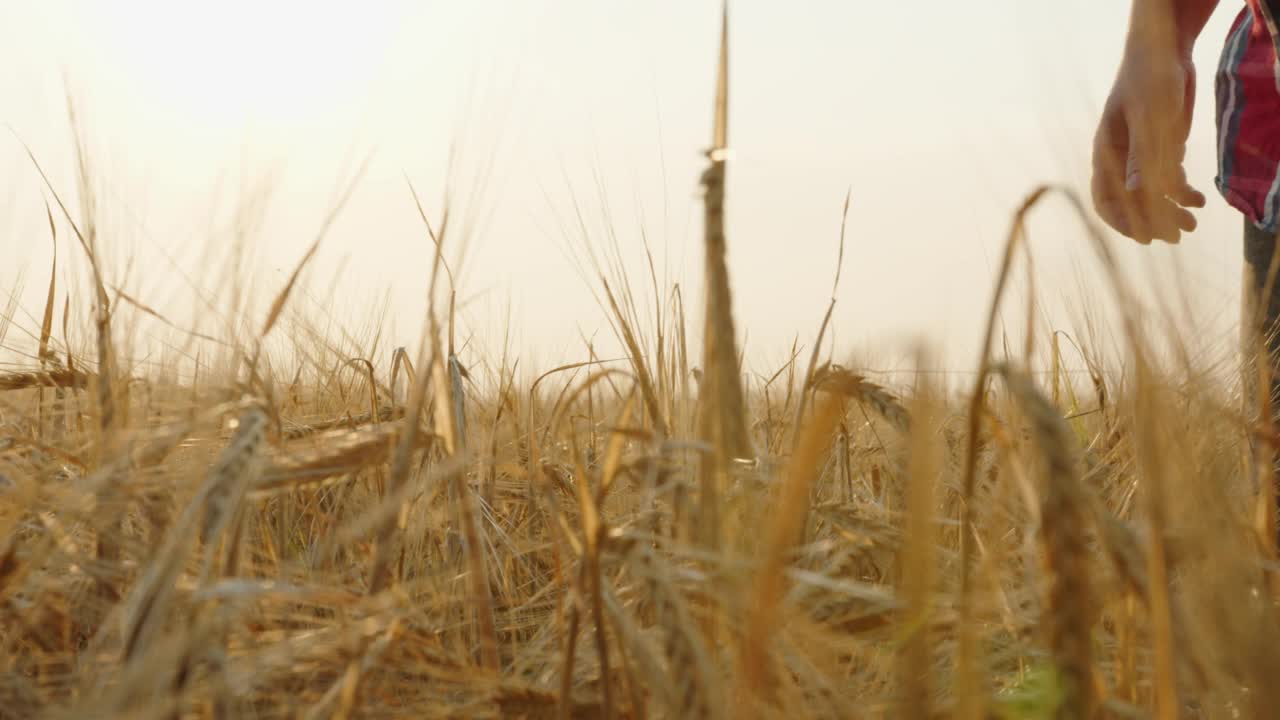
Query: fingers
(1163, 204)
(1180, 190)
(1160, 219)
(1171, 183)
(1148, 218)
(1187, 196)
(1113, 165)
(1144, 216)
(1139, 204)
(1181, 218)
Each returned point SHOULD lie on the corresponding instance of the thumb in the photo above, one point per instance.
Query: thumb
(1132, 171)
(1133, 163)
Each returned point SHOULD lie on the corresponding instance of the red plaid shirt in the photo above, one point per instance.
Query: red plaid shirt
(1248, 117)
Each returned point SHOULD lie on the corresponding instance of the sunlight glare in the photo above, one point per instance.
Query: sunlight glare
(269, 61)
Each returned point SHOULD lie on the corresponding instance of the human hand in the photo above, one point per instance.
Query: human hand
(1139, 185)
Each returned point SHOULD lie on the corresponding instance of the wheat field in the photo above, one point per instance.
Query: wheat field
(387, 533)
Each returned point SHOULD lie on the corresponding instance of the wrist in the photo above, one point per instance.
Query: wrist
(1158, 45)
(1184, 44)
(1189, 19)
(1167, 27)
(1185, 35)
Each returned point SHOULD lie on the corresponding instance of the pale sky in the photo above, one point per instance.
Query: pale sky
(938, 115)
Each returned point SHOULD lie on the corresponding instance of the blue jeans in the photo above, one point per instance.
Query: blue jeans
(1261, 314)
(1259, 246)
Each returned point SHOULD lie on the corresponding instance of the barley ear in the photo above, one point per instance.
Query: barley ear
(722, 407)
(1064, 517)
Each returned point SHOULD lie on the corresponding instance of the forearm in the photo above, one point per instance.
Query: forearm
(1169, 25)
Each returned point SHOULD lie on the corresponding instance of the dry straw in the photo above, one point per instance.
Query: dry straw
(434, 534)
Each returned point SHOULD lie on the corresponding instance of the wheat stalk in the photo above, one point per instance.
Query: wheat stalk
(835, 379)
(55, 378)
(1064, 517)
(916, 564)
(721, 407)
(205, 516)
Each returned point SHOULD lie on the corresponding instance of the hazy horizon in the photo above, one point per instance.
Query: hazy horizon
(937, 121)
